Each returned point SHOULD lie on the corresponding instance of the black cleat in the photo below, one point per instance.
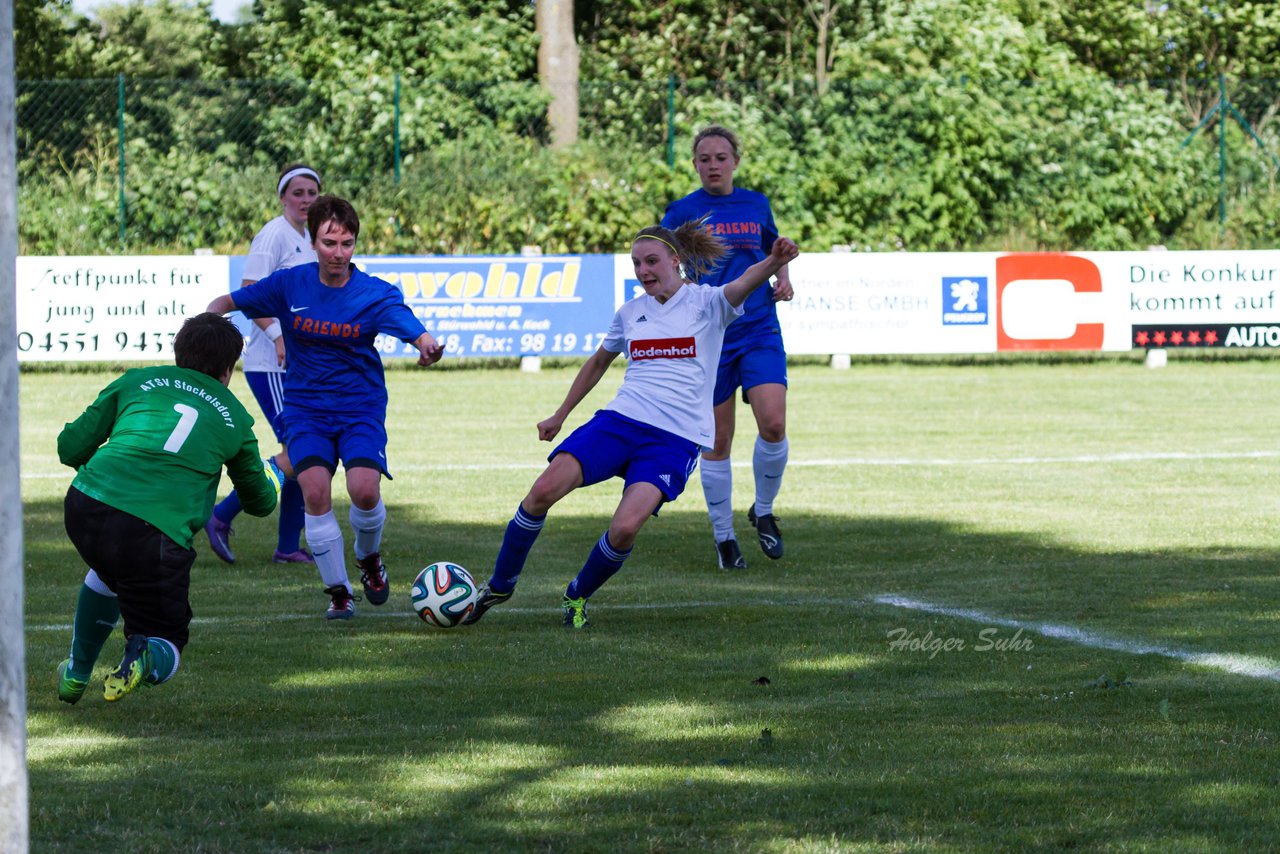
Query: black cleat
(730, 556)
(373, 576)
(767, 529)
(342, 605)
(486, 600)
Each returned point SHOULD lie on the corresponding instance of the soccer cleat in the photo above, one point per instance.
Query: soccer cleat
(220, 538)
(343, 604)
(484, 601)
(729, 556)
(373, 575)
(575, 612)
(132, 669)
(274, 473)
(300, 556)
(767, 529)
(70, 689)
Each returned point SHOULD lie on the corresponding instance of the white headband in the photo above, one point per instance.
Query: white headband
(294, 173)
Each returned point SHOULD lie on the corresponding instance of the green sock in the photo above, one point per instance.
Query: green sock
(164, 661)
(95, 620)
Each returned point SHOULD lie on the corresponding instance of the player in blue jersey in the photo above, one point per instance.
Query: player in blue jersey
(335, 394)
(753, 357)
(283, 242)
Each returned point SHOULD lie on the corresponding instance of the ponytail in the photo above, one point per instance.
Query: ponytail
(695, 247)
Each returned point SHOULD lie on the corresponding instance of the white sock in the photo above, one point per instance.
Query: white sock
(325, 538)
(768, 462)
(368, 527)
(97, 585)
(717, 487)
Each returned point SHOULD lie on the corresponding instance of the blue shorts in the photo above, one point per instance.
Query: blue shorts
(613, 445)
(321, 439)
(754, 362)
(268, 390)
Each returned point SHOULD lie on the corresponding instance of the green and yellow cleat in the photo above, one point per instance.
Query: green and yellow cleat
(575, 613)
(70, 689)
(132, 670)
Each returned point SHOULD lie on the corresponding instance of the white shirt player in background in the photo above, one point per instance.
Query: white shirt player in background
(654, 429)
(283, 242)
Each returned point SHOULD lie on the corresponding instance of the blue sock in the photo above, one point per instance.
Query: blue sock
(601, 564)
(96, 616)
(522, 531)
(228, 508)
(292, 517)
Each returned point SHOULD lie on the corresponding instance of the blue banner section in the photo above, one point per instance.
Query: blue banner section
(496, 305)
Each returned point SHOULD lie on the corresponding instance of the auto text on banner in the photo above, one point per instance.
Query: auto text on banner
(99, 308)
(495, 306)
(1199, 299)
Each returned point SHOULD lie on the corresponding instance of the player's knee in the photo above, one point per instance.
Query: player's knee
(625, 527)
(540, 499)
(773, 429)
(317, 502)
(622, 534)
(365, 498)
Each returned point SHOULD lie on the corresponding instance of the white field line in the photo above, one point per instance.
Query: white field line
(1256, 667)
(851, 462)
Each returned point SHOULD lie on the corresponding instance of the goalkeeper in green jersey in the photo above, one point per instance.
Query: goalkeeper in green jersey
(148, 455)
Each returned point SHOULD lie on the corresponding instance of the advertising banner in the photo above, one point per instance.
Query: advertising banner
(128, 309)
(890, 303)
(100, 308)
(504, 306)
(984, 302)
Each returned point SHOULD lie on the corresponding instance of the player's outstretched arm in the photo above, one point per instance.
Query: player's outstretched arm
(782, 290)
(222, 304)
(257, 492)
(588, 375)
(80, 439)
(784, 252)
(429, 349)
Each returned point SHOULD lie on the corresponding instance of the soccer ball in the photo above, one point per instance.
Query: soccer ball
(443, 594)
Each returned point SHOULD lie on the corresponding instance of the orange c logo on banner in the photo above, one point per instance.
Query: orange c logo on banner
(1083, 276)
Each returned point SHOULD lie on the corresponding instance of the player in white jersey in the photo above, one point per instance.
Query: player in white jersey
(652, 432)
(282, 243)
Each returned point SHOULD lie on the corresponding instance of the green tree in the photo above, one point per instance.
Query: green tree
(464, 68)
(46, 34)
(995, 133)
(159, 39)
(1183, 44)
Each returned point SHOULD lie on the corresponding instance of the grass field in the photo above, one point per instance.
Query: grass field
(1102, 539)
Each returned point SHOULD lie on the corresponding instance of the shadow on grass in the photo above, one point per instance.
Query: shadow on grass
(654, 729)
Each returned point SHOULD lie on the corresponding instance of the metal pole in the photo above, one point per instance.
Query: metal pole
(671, 120)
(120, 141)
(14, 796)
(1222, 153)
(397, 130)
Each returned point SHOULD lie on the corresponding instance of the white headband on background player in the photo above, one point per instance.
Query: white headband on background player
(294, 173)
